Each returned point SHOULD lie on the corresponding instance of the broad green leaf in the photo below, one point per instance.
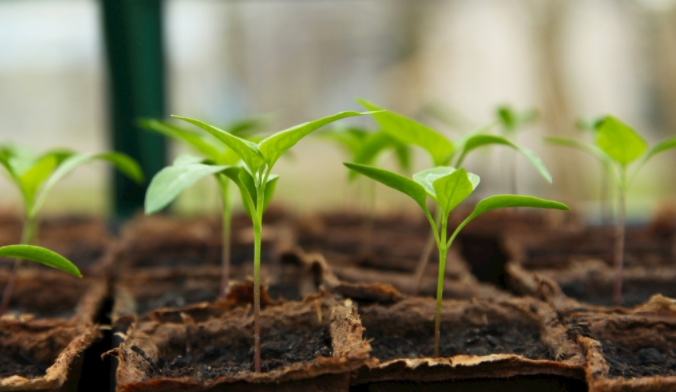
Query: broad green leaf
(619, 141)
(582, 146)
(169, 182)
(485, 140)
(246, 150)
(393, 180)
(403, 154)
(247, 191)
(427, 177)
(40, 255)
(5, 162)
(411, 132)
(229, 157)
(21, 158)
(508, 201)
(452, 189)
(193, 139)
(187, 159)
(275, 145)
(122, 162)
(36, 175)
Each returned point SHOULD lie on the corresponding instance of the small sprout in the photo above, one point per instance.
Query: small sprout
(447, 187)
(617, 146)
(35, 176)
(257, 184)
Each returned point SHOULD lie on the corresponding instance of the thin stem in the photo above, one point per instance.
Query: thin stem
(226, 234)
(443, 249)
(619, 237)
(367, 239)
(258, 232)
(28, 237)
(427, 252)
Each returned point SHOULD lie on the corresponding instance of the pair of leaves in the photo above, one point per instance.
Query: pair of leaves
(512, 120)
(40, 255)
(36, 177)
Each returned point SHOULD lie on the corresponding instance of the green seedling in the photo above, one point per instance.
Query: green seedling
(511, 122)
(254, 179)
(617, 146)
(447, 187)
(363, 146)
(172, 180)
(35, 176)
(444, 152)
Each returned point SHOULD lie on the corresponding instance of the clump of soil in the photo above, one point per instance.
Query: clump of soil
(207, 361)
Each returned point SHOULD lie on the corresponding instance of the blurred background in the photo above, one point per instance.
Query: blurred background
(63, 82)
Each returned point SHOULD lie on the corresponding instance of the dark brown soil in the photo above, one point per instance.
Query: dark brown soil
(537, 383)
(634, 292)
(641, 362)
(496, 338)
(180, 255)
(177, 298)
(20, 364)
(207, 361)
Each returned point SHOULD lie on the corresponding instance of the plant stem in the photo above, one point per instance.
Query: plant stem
(227, 222)
(367, 239)
(443, 249)
(619, 238)
(425, 256)
(28, 237)
(258, 231)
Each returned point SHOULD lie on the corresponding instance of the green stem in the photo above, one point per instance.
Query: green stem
(226, 235)
(619, 237)
(28, 237)
(367, 239)
(443, 249)
(427, 252)
(258, 232)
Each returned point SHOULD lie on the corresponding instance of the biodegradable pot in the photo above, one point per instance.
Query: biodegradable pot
(45, 357)
(43, 295)
(629, 352)
(482, 338)
(310, 345)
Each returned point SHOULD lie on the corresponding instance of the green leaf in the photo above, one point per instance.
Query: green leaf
(511, 119)
(274, 146)
(247, 126)
(246, 150)
(508, 201)
(661, 147)
(5, 162)
(122, 162)
(484, 140)
(36, 175)
(427, 177)
(452, 189)
(619, 141)
(270, 187)
(169, 182)
(582, 146)
(187, 159)
(193, 139)
(411, 132)
(40, 255)
(351, 139)
(393, 180)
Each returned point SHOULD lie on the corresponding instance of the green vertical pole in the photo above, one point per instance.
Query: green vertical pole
(135, 61)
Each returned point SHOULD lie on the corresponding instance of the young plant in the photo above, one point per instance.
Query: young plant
(35, 176)
(214, 154)
(443, 152)
(617, 146)
(255, 182)
(447, 187)
(511, 122)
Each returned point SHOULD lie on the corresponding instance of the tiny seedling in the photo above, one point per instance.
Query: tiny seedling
(444, 152)
(172, 180)
(255, 182)
(35, 176)
(447, 187)
(617, 146)
(364, 147)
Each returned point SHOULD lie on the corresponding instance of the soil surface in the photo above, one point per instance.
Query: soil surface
(641, 362)
(495, 338)
(177, 298)
(634, 292)
(279, 348)
(20, 364)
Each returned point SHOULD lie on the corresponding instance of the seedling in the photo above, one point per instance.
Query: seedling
(166, 185)
(511, 122)
(35, 176)
(255, 182)
(443, 152)
(617, 146)
(447, 187)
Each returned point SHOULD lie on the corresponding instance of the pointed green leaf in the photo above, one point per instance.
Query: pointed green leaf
(508, 201)
(193, 139)
(246, 150)
(392, 180)
(660, 148)
(169, 182)
(427, 177)
(619, 141)
(452, 189)
(187, 159)
(36, 175)
(274, 146)
(411, 132)
(122, 162)
(485, 140)
(40, 255)
(270, 187)
(5, 162)
(246, 188)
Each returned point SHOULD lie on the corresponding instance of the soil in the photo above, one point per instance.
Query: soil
(640, 362)
(20, 364)
(279, 348)
(634, 291)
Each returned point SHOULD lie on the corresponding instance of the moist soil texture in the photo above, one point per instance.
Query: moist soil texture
(494, 338)
(634, 292)
(20, 364)
(184, 256)
(642, 362)
(177, 298)
(279, 348)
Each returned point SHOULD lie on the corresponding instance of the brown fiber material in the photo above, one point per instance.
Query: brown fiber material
(412, 318)
(330, 373)
(57, 346)
(629, 352)
(41, 295)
